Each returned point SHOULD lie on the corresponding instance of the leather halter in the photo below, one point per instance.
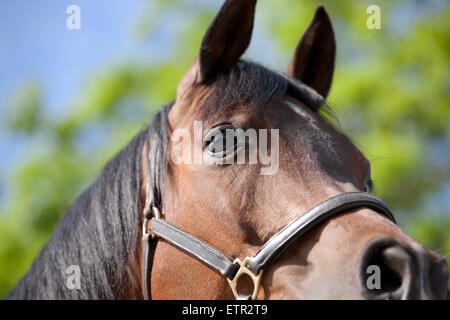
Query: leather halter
(252, 266)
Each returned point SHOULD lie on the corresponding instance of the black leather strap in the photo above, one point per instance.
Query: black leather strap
(146, 265)
(281, 241)
(210, 256)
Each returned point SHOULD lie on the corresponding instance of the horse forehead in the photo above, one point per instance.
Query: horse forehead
(319, 143)
(256, 114)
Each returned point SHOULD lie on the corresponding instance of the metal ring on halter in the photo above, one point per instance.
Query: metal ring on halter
(256, 278)
(145, 227)
(156, 213)
(156, 216)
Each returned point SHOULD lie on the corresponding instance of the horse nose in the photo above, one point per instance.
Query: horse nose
(389, 270)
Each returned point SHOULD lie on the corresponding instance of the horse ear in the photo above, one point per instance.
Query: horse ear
(313, 61)
(227, 38)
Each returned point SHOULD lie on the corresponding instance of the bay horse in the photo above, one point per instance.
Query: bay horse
(153, 228)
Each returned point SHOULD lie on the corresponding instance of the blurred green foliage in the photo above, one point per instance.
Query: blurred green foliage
(390, 93)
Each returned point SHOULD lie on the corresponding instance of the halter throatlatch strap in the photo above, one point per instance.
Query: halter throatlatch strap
(152, 201)
(148, 247)
(146, 262)
(268, 253)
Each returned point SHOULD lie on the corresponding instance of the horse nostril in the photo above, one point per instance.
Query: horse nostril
(387, 271)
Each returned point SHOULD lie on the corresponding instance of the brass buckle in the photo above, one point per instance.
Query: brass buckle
(243, 269)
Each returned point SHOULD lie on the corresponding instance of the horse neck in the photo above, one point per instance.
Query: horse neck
(98, 235)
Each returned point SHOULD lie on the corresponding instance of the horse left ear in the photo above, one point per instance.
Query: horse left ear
(313, 61)
(227, 38)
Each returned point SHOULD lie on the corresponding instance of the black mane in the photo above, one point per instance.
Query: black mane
(99, 233)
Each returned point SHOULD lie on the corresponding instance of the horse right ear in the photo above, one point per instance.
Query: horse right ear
(313, 61)
(227, 38)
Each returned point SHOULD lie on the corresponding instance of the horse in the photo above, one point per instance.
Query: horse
(154, 227)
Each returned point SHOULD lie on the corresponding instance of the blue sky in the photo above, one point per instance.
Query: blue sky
(36, 44)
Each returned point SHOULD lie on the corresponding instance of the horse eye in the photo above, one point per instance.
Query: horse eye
(368, 185)
(220, 143)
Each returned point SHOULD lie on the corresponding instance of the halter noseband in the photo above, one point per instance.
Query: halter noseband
(253, 266)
